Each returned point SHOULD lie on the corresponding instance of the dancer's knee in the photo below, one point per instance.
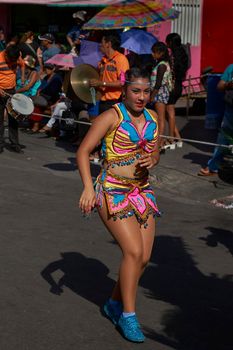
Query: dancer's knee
(135, 254)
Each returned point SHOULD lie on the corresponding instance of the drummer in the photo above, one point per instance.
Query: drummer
(9, 61)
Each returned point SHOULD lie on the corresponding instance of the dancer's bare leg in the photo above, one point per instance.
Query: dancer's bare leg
(136, 243)
(148, 235)
(161, 111)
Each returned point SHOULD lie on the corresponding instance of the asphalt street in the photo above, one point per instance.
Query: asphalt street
(58, 268)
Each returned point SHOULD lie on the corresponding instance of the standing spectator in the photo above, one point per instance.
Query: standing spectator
(179, 65)
(28, 46)
(9, 61)
(48, 49)
(76, 34)
(225, 135)
(2, 39)
(111, 66)
(161, 81)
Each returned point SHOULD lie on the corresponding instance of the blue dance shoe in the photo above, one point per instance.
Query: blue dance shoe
(130, 329)
(113, 311)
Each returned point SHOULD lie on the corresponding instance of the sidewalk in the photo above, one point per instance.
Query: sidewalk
(185, 296)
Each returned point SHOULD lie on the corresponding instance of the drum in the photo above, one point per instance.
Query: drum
(19, 106)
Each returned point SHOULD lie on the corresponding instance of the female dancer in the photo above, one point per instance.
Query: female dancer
(122, 193)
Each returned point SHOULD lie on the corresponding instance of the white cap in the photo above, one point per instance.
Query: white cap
(80, 15)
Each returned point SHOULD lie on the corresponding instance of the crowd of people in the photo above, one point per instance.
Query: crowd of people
(43, 81)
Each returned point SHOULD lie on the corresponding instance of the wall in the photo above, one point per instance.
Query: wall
(5, 17)
(217, 34)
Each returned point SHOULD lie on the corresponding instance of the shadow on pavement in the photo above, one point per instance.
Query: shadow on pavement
(72, 166)
(201, 314)
(195, 129)
(197, 158)
(219, 236)
(86, 277)
(201, 307)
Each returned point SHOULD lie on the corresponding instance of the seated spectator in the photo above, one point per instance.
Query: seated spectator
(48, 94)
(66, 111)
(32, 80)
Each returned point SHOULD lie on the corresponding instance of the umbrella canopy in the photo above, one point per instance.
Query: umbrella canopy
(138, 41)
(131, 13)
(80, 2)
(89, 53)
(64, 60)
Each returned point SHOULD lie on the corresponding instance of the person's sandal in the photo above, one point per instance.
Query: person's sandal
(44, 129)
(206, 172)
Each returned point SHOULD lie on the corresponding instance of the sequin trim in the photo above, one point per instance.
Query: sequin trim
(126, 197)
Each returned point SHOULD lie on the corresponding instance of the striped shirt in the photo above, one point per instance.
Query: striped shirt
(8, 72)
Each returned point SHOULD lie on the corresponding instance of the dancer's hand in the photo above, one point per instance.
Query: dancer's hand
(87, 200)
(147, 161)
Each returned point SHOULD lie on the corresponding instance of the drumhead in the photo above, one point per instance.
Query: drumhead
(22, 104)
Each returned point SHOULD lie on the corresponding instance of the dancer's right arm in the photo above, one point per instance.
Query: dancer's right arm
(104, 123)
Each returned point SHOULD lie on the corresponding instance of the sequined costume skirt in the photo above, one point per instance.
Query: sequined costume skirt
(125, 197)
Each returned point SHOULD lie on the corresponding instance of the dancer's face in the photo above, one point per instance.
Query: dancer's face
(137, 94)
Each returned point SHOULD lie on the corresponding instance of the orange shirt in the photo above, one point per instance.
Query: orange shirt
(110, 70)
(8, 72)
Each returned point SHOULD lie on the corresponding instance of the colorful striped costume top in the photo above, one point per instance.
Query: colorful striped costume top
(124, 196)
(125, 143)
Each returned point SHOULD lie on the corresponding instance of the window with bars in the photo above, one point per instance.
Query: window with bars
(188, 24)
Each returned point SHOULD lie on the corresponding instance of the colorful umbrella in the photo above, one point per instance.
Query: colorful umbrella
(138, 41)
(131, 13)
(64, 60)
(89, 53)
